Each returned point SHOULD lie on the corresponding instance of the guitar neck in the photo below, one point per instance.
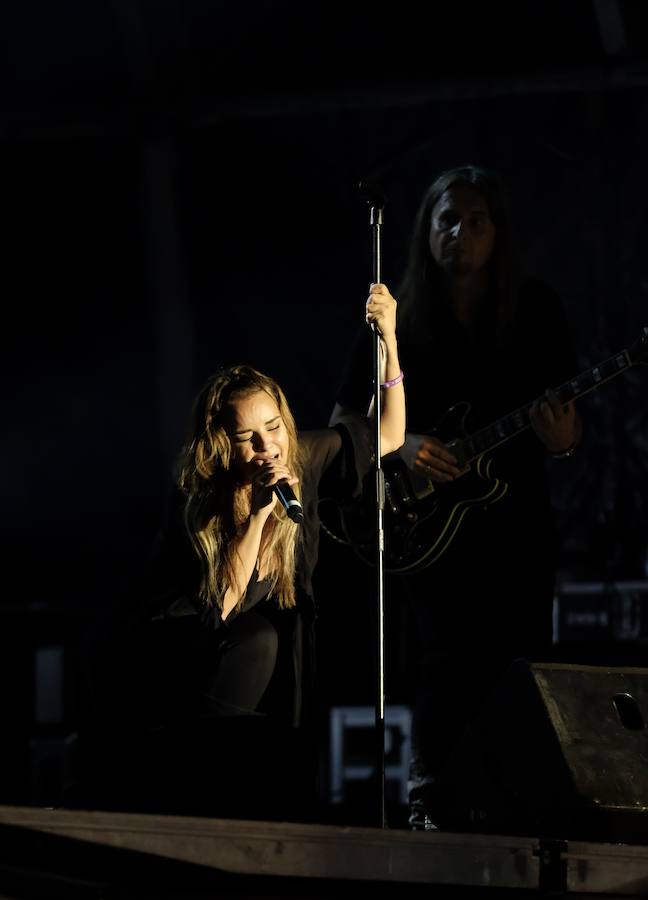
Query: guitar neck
(517, 421)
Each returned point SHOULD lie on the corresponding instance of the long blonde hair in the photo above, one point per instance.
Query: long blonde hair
(216, 506)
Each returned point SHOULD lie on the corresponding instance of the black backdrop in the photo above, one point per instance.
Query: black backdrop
(179, 190)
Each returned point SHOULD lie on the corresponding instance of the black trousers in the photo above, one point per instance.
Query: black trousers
(486, 602)
(202, 730)
(192, 671)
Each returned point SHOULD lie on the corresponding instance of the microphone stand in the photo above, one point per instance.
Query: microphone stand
(376, 203)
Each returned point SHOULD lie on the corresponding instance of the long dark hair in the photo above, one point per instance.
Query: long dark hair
(422, 285)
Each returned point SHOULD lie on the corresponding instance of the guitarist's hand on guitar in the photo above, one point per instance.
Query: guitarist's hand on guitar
(557, 424)
(429, 457)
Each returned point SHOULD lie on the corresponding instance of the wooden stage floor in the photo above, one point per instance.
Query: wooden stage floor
(77, 854)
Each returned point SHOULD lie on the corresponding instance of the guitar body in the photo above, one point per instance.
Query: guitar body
(421, 519)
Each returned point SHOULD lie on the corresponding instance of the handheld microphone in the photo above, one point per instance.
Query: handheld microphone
(289, 502)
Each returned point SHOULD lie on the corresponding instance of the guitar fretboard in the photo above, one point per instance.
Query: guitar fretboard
(508, 426)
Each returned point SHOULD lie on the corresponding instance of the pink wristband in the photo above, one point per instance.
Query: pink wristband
(394, 381)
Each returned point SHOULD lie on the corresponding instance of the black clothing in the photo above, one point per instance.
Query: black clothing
(174, 578)
(176, 692)
(194, 672)
(448, 363)
(159, 658)
(488, 599)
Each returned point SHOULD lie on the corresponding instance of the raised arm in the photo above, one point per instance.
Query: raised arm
(381, 311)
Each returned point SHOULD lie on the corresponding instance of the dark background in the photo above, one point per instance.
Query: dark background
(179, 186)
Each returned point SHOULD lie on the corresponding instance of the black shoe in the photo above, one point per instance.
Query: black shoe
(422, 824)
(419, 818)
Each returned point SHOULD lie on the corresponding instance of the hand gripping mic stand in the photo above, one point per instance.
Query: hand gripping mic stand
(376, 201)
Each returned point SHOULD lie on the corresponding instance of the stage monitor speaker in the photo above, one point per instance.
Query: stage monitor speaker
(557, 751)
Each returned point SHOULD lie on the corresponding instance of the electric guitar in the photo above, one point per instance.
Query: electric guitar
(421, 518)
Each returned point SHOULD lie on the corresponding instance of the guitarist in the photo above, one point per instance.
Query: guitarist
(471, 328)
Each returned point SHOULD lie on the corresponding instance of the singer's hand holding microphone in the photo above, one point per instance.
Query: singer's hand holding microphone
(273, 482)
